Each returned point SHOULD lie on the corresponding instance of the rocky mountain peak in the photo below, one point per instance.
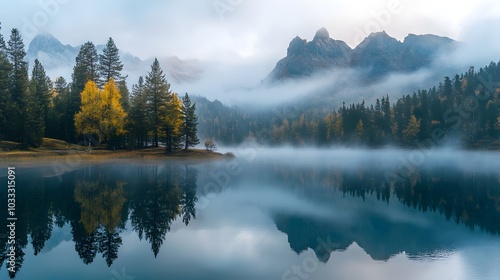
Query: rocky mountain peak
(296, 46)
(322, 34)
(377, 55)
(378, 39)
(44, 41)
(305, 58)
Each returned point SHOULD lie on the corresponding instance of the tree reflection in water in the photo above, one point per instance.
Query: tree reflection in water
(97, 202)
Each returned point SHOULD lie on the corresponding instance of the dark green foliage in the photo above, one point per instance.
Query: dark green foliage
(86, 68)
(138, 121)
(110, 65)
(18, 87)
(157, 95)
(190, 125)
(5, 94)
(227, 125)
(60, 127)
(123, 88)
(38, 101)
(40, 87)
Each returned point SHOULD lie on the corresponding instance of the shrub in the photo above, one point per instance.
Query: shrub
(210, 145)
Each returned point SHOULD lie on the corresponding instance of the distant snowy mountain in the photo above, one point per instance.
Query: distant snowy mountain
(59, 59)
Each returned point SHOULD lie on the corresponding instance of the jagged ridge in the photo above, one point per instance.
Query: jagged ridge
(378, 54)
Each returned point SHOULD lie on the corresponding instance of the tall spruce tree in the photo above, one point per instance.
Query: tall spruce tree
(18, 85)
(190, 125)
(58, 110)
(86, 68)
(40, 87)
(39, 100)
(138, 121)
(5, 95)
(158, 95)
(110, 65)
(122, 86)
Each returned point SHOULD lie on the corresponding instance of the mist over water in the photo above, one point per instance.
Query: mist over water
(267, 211)
(382, 158)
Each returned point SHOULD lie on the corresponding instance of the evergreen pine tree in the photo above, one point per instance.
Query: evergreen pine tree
(386, 110)
(122, 86)
(110, 65)
(18, 85)
(190, 126)
(158, 95)
(39, 99)
(86, 68)
(5, 95)
(58, 110)
(138, 121)
(40, 86)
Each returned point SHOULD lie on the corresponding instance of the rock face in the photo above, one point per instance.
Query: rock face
(421, 49)
(377, 55)
(306, 58)
(51, 52)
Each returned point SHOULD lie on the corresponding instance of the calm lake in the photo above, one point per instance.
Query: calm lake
(267, 214)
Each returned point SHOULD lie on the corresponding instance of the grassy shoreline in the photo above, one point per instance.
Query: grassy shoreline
(55, 150)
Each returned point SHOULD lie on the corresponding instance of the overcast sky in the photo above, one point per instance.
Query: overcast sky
(253, 33)
(245, 28)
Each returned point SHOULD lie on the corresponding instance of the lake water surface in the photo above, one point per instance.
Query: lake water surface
(268, 214)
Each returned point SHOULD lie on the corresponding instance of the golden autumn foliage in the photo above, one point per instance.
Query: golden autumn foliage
(87, 120)
(412, 129)
(100, 204)
(112, 113)
(172, 121)
(101, 112)
(173, 116)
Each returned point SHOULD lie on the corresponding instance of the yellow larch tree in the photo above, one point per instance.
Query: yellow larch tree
(113, 116)
(101, 112)
(87, 120)
(412, 129)
(173, 122)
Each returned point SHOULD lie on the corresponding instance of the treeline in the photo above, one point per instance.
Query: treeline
(95, 107)
(464, 108)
